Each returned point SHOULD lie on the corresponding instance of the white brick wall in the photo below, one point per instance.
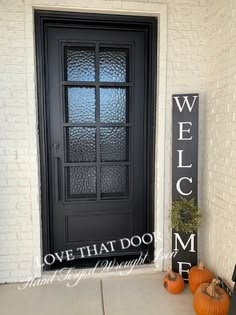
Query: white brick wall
(15, 170)
(19, 181)
(218, 233)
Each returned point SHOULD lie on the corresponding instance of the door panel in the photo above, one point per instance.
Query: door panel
(78, 226)
(97, 128)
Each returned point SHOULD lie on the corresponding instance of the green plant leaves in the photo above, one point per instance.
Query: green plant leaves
(185, 216)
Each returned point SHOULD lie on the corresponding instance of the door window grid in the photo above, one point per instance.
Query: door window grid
(122, 166)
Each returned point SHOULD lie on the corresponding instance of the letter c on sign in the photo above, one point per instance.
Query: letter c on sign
(178, 185)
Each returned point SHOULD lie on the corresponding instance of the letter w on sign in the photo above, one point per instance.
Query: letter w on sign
(184, 172)
(185, 101)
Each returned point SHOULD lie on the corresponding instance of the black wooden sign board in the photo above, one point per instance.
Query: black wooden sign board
(184, 174)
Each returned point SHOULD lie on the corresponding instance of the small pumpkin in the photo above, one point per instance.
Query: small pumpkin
(210, 299)
(198, 275)
(173, 282)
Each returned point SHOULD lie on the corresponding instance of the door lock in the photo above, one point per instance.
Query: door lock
(56, 146)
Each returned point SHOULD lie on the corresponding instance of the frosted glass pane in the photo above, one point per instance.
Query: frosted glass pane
(80, 105)
(81, 144)
(114, 144)
(81, 181)
(80, 63)
(114, 181)
(113, 105)
(113, 65)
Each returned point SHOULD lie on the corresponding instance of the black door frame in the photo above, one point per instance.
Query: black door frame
(149, 24)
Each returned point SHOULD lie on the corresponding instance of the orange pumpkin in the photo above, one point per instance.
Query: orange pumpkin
(198, 275)
(210, 299)
(173, 282)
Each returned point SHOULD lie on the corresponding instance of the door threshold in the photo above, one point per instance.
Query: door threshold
(98, 273)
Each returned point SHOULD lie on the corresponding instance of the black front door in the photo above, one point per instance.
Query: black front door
(97, 136)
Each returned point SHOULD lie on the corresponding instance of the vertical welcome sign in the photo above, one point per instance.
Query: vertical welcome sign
(184, 174)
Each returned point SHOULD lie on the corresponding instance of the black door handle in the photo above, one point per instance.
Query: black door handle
(57, 179)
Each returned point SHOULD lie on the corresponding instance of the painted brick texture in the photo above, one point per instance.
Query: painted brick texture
(218, 237)
(15, 170)
(20, 238)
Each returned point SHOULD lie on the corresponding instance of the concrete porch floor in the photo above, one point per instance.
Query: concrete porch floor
(125, 295)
